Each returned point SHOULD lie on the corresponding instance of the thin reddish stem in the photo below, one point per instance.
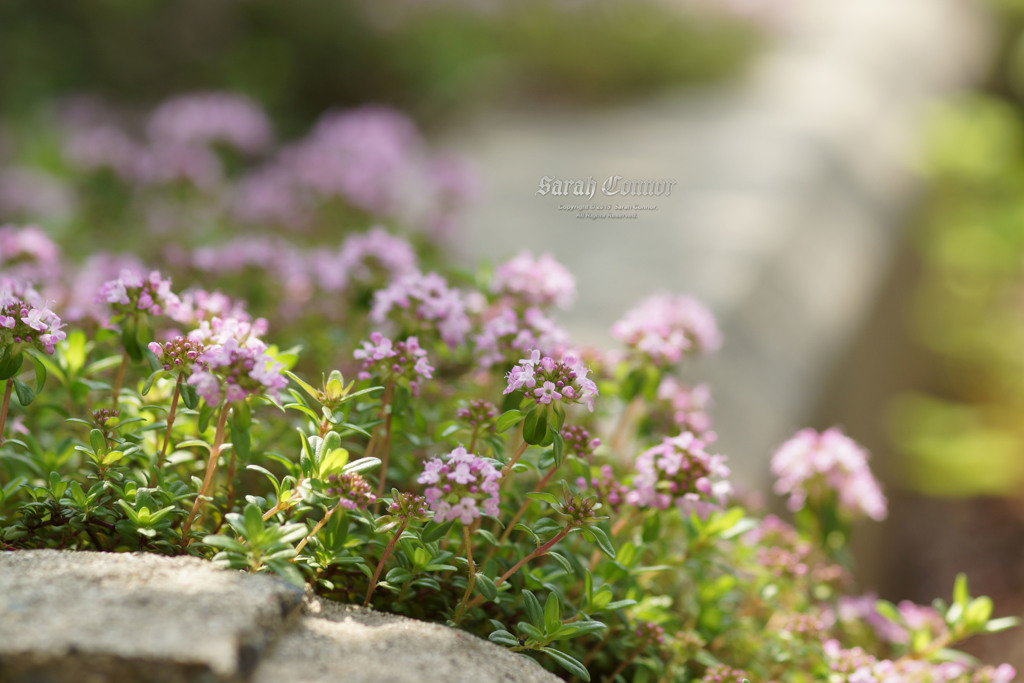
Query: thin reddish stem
(211, 468)
(383, 560)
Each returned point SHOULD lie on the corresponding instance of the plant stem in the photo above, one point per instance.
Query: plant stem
(383, 559)
(384, 408)
(318, 527)
(522, 508)
(626, 420)
(278, 506)
(515, 458)
(472, 572)
(211, 468)
(623, 664)
(120, 378)
(7, 403)
(170, 422)
(516, 567)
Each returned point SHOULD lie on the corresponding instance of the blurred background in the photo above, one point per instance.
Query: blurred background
(849, 199)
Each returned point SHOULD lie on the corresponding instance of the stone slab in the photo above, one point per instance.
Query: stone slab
(97, 617)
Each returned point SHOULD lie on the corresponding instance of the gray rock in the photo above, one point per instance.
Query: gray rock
(103, 617)
(85, 617)
(344, 642)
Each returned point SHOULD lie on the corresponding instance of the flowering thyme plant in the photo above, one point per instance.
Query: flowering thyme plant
(425, 446)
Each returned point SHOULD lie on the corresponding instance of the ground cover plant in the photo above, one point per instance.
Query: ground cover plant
(274, 364)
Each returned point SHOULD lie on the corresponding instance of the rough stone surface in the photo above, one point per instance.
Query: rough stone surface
(90, 617)
(68, 617)
(345, 642)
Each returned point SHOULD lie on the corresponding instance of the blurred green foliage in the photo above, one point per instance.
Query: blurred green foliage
(967, 438)
(303, 56)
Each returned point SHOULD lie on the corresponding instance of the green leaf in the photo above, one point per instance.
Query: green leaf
(548, 498)
(112, 457)
(977, 613)
(507, 420)
(24, 392)
(486, 586)
(40, 372)
(241, 441)
(960, 594)
(552, 613)
(361, 465)
(532, 605)
(241, 416)
(253, 522)
(188, 395)
(995, 625)
(333, 462)
(531, 631)
(433, 531)
(10, 365)
(603, 542)
(503, 637)
(205, 415)
(557, 445)
(568, 663)
(98, 442)
(535, 426)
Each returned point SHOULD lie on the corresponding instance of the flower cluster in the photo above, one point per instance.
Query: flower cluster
(131, 293)
(813, 467)
(546, 380)
(27, 253)
(650, 633)
(213, 117)
(507, 334)
(393, 361)
(478, 413)
(578, 442)
(408, 506)
(665, 327)
(236, 372)
(179, 353)
(530, 281)
(783, 553)
(459, 485)
(197, 305)
(720, 673)
(678, 471)
(610, 490)
(688, 407)
(855, 665)
(351, 489)
(219, 331)
(423, 303)
(579, 510)
(24, 324)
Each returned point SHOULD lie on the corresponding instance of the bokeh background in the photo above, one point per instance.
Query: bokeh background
(849, 199)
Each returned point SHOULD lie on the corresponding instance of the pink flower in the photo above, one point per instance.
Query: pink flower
(680, 472)
(26, 320)
(665, 327)
(404, 361)
(813, 466)
(207, 118)
(565, 380)
(236, 372)
(530, 281)
(131, 293)
(464, 486)
(425, 304)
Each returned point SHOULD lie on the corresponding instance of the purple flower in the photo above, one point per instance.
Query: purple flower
(462, 486)
(207, 118)
(815, 466)
(236, 372)
(26, 320)
(545, 380)
(665, 327)
(425, 304)
(179, 353)
(352, 490)
(530, 281)
(403, 361)
(219, 331)
(506, 335)
(131, 293)
(680, 472)
(687, 407)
